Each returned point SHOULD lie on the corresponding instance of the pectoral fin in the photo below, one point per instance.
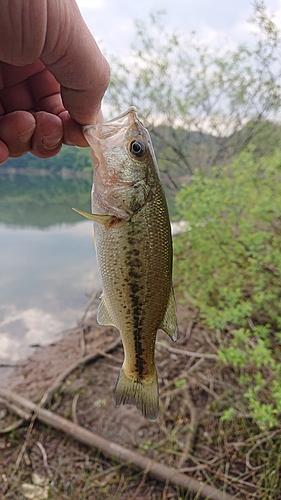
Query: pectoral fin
(169, 323)
(106, 220)
(103, 314)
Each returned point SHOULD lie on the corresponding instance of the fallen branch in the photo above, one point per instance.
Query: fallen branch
(115, 451)
(21, 413)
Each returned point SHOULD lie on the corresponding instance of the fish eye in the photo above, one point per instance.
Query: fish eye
(137, 149)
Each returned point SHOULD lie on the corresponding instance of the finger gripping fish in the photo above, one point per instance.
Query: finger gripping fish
(134, 252)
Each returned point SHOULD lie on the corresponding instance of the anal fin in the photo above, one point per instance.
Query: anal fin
(103, 314)
(169, 323)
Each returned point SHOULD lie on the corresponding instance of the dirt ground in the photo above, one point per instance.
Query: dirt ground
(189, 434)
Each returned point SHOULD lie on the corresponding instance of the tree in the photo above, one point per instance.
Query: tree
(201, 105)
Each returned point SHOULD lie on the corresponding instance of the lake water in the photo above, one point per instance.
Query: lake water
(48, 267)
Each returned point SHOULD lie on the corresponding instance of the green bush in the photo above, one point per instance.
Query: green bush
(229, 265)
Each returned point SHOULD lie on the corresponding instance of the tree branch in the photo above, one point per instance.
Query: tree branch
(115, 451)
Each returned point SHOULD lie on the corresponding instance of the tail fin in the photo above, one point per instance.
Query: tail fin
(141, 393)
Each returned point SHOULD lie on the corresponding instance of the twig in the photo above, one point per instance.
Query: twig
(86, 359)
(142, 482)
(82, 341)
(187, 353)
(256, 445)
(117, 452)
(207, 338)
(193, 425)
(193, 367)
(82, 325)
(23, 414)
(73, 409)
(12, 427)
(27, 437)
(45, 458)
(207, 389)
(108, 356)
(189, 329)
(88, 306)
(195, 468)
(120, 486)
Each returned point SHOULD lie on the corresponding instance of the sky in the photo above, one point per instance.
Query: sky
(215, 21)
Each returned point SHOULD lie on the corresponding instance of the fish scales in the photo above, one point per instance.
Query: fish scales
(134, 252)
(136, 279)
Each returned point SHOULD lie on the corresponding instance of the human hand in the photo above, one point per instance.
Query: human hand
(52, 77)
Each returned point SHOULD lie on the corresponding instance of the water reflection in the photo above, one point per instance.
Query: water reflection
(35, 200)
(47, 271)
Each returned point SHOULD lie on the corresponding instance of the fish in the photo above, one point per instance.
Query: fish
(133, 243)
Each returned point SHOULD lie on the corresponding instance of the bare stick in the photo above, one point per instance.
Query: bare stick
(45, 458)
(82, 341)
(73, 409)
(23, 414)
(189, 329)
(12, 427)
(187, 353)
(192, 429)
(88, 306)
(117, 452)
(81, 323)
(256, 445)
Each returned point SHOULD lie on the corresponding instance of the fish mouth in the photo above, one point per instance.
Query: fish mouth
(108, 135)
(111, 133)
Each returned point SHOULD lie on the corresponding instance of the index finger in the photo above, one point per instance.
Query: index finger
(77, 63)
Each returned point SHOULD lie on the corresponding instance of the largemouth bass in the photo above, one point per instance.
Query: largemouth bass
(134, 252)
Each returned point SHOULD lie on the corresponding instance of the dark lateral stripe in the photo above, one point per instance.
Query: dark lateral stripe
(134, 265)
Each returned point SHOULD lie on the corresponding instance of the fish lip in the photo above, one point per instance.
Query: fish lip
(96, 134)
(130, 110)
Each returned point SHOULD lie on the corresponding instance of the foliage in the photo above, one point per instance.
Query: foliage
(229, 265)
(203, 105)
(73, 158)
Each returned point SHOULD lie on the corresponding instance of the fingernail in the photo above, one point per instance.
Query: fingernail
(51, 141)
(25, 136)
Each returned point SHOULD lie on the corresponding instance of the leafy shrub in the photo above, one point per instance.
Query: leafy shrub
(229, 265)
